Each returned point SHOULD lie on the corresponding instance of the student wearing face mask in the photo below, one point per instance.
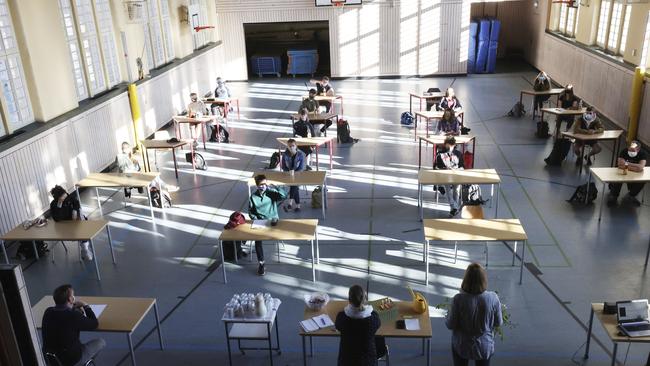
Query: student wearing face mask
(65, 208)
(196, 109)
(293, 160)
(303, 128)
(263, 205)
(451, 159)
(633, 159)
(127, 163)
(310, 104)
(542, 83)
(449, 101)
(324, 88)
(588, 124)
(449, 124)
(568, 100)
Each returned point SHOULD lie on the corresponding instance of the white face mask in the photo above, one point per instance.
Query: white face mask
(589, 116)
(632, 154)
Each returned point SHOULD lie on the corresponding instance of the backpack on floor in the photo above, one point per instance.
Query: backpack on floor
(406, 119)
(471, 195)
(229, 250)
(220, 134)
(542, 130)
(160, 198)
(274, 160)
(26, 249)
(468, 160)
(199, 161)
(517, 110)
(343, 132)
(581, 192)
(316, 201)
(560, 150)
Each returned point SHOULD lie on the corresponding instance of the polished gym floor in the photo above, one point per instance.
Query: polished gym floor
(372, 235)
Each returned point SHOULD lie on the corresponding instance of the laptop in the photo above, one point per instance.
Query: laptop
(632, 317)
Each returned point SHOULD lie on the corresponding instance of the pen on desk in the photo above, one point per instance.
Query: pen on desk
(322, 321)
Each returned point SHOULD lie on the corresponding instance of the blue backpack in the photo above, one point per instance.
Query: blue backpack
(406, 118)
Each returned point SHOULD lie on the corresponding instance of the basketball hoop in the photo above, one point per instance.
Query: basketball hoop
(569, 3)
(135, 10)
(203, 27)
(338, 3)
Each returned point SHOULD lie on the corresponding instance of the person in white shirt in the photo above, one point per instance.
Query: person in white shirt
(127, 163)
(222, 90)
(196, 109)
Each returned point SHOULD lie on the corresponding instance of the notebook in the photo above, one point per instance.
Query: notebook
(316, 323)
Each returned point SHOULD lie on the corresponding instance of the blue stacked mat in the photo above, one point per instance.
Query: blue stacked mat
(471, 52)
(263, 65)
(495, 27)
(483, 44)
(302, 62)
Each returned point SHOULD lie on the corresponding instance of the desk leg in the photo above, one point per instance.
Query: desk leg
(323, 197)
(521, 268)
(228, 343)
(435, 152)
(428, 351)
(588, 181)
(582, 157)
(421, 201)
(192, 152)
(313, 262)
(110, 242)
(317, 163)
(514, 253)
(239, 117)
(204, 131)
(647, 255)
(602, 203)
(99, 201)
(304, 352)
(268, 333)
(92, 249)
(4, 252)
(175, 163)
(591, 322)
(35, 250)
(145, 159)
(415, 128)
(410, 104)
(155, 312)
(420, 155)
(150, 205)
(491, 194)
(426, 262)
(317, 248)
(614, 354)
(223, 264)
(496, 205)
(128, 338)
(329, 146)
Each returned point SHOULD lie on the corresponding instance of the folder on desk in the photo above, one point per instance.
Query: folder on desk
(260, 224)
(316, 323)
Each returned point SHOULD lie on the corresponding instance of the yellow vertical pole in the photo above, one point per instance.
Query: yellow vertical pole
(135, 113)
(636, 101)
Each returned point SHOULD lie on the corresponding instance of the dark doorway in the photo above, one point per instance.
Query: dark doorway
(275, 39)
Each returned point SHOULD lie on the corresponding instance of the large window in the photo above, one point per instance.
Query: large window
(199, 17)
(613, 24)
(646, 43)
(568, 20)
(15, 99)
(91, 42)
(157, 32)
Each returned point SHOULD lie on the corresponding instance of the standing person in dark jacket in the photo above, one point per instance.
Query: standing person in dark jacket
(542, 83)
(293, 160)
(451, 159)
(357, 324)
(64, 208)
(263, 205)
(62, 325)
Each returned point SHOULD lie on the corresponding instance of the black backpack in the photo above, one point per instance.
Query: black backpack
(542, 130)
(581, 192)
(343, 132)
(220, 134)
(274, 161)
(229, 252)
(199, 161)
(406, 119)
(471, 195)
(517, 111)
(160, 198)
(26, 249)
(560, 150)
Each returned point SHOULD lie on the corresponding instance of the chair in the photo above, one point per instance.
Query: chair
(382, 350)
(471, 212)
(52, 360)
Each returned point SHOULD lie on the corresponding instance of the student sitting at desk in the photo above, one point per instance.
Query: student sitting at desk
(196, 109)
(310, 103)
(472, 317)
(449, 101)
(634, 160)
(568, 100)
(293, 160)
(65, 207)
(324, 88)
(357, 324)
(449, 124)
(303, 128)
(62, 324)
(451, 159)
(588, 124)
(263, 205)
(127, 163)
(542, 83)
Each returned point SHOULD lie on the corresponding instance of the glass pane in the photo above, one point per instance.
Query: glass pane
(615, 26)
(563, 16)
(646, 43)
(602, 23)
(626, 25)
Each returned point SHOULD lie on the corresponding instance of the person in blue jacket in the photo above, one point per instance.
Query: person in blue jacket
(293, 160)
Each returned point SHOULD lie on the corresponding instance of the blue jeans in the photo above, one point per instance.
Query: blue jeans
(459, 361)
(294, 194)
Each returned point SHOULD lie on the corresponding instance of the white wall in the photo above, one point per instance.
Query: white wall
(387, 37)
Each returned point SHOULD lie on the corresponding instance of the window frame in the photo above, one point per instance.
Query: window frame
(566, 19)
(615, 48)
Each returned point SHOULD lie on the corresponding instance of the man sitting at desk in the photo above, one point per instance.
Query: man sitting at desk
(196, 109)
(588, 124)
(63, 323)
(65, 207)
(310, 104)
(634, 160)
(127, 163)
(449, 101)
(448, 125)
(451, 159)
(303, 128)
(263, 205)
(324, 88)
(568, 100)
(293, 160)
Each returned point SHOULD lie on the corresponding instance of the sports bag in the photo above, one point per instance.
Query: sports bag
(471, 195)
(542, 130)
(517, 110)
(581, 192)
(199, 161)
(316, 195)
(274, 161)
(406, 119)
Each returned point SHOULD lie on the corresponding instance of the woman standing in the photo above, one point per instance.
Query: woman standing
(358, 324)
(473, 315)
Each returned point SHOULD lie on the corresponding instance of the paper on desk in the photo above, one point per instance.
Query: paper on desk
(412, 324)
(98, 309)
(260, 224)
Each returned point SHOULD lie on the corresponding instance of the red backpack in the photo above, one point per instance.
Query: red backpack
(236, 218)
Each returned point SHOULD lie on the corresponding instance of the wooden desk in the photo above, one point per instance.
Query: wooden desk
(443, 177)
(310, 141)
(606, 135)
(121, 315)
(475, 230)
(328, 98)
(552, 91)
(387, 329)
(73, 230)
(425, 96)
(431, 115)
(316, 119)
(117, 180)
(225, 102)
(203, 120)
(562, 112)
(285, 230)
(610, 324)
(304, 178)
(163, 144)
(439, 139)
(613, 175)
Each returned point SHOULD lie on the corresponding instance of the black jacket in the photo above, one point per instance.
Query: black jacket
(357, 346)
(65, 211)
(453, 160)
(61, 327)
(302, 128)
